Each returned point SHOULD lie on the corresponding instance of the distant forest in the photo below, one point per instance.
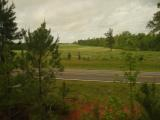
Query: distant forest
(127, 41)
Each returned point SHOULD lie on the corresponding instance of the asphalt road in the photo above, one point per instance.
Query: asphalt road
(105, 75)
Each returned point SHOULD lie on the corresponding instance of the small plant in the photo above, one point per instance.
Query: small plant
(69, 56)
(131, 75)
(79, 56)
(64, 90)
(114, 110)
(96, 112)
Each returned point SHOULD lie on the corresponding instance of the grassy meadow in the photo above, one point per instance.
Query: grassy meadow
(103, 58)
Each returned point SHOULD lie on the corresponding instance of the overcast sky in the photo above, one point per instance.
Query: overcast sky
(80, 19)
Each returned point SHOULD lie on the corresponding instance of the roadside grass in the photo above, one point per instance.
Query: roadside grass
(103, 58)
(83, 97)
(92, 90)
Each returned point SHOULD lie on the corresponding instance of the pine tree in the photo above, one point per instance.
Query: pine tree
(8, 27)
(110, 39)
(154, 24)
(56, 57)
(43, 57)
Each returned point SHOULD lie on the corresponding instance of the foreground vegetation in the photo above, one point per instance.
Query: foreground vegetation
(101, 93)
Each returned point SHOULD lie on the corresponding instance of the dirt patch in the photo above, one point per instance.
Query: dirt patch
(95, 109)
(82, 109)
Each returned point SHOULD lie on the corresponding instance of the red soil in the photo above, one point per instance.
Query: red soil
(82, 109)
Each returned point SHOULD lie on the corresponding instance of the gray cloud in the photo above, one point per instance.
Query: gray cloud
(80, 19)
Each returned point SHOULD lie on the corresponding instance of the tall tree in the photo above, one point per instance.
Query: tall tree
(43, 58)
(154, 24)
(8, 26)
(109, 38)
(39, 46)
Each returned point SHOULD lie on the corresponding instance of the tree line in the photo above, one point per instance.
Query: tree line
(129, 41)
(126, 41)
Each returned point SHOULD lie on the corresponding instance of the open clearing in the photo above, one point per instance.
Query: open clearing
(100, 58)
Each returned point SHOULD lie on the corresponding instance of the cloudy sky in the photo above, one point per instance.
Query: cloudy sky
(80, 19)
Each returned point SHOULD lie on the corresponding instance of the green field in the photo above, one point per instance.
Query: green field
(103, 58)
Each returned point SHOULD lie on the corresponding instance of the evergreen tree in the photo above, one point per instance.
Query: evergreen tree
(154, 24)
(40, 45)
(110, 39)
(8, 27)
(56, 59)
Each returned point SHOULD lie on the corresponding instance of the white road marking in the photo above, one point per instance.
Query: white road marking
(103, 81)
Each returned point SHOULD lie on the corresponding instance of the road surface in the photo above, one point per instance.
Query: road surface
(105, 75)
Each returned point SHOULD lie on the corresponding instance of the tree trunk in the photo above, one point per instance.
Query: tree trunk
(40, 77)
(1, 51)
